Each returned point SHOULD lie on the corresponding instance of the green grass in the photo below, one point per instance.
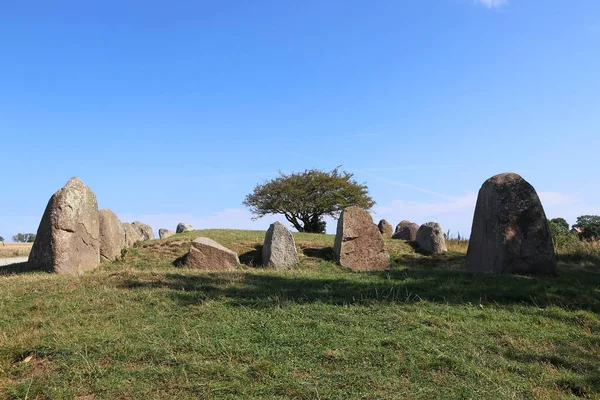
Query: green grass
(144, 328)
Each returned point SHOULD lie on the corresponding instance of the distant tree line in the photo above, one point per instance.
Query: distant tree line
(23, 238)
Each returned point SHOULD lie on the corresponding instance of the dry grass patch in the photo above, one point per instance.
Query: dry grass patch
(15, 249)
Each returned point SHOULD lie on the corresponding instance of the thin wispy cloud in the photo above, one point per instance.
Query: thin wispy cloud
(491, 3)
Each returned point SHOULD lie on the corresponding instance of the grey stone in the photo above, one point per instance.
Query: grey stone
(131, 234)
(279, 249)
(68, 238)
(144, 231)
(207, 254)
(183, 227)
(165, 233)
(510, 232)
(430, 238)
(112, 235)
(385, 228)
(358, 242)
(406, 230)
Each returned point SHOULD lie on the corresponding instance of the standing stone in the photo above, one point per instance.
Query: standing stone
(131, 235)
(165, 233)
(207, 254)
(385, 228)
(68, 238)
(406, 230)
(358, 242)
(183, 227)
(430, 238)
(144, 231)
(510, 232)
(112, 235)
(279, 249)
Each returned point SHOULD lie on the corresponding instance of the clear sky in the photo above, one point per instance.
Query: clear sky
(173, 111)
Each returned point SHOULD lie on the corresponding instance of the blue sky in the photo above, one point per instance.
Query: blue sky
(174, 111)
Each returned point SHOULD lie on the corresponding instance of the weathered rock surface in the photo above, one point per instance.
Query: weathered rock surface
(279, 248)
(385, 228)
(68, 238)
(430, 238)
(144, 231)
(165, 233)
(131, 234)
(510, 232)
(183, 227)
(112, 235)
(207, 254)
(358, 242)
(406, 230)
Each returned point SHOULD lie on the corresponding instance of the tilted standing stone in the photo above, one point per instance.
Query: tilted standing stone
(406, 230)
(112, 235)
(207, 254)
(510, 232)
(183, 227)
(279, 249)
(430, 238)
(131, 234)
(358, 242)
(385, 228)
(165, 233)
(68, 238)
(144, 231)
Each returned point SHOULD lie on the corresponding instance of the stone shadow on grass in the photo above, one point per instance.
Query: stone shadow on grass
(18, 268)
(325, 253)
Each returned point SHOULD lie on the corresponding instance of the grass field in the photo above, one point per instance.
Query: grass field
(15, 249)
(142, 328)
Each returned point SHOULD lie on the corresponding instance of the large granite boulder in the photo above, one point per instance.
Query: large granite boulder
(112, 235)
(165, 233)
(183, 227)
(358, 242)
(207, 254)
(385, 228)
(430, 238)
(144, 231)
(68, 238)
(406, 230)
(510, 232)
(131, 234)
(279, 249)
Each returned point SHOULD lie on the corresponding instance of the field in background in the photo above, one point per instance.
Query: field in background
(15, 249)
(144, 328)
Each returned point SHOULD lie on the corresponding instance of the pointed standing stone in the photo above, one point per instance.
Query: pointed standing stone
(385, 228)
(112, 235)
(430, 238)
(279, 249)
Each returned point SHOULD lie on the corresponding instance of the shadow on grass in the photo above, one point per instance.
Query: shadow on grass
(325, 253)
(412, 278)
(18, 268)
(252, 258)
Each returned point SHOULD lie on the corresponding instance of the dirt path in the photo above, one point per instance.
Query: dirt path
(12, 260)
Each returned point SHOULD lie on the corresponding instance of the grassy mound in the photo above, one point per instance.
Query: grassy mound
(143, 327)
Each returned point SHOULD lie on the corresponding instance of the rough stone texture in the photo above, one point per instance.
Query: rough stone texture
(131, 235)
(207, 254)
(358, 242)
(279, 248)
(68, 238)
(430, 238)
(165, 233)
(385, 228)
(183, 227)
(112, 235)
(510, 232)
(406, 230)
(144, 231)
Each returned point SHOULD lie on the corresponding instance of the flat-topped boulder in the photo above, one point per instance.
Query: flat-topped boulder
(279, 248)
(207, 254)
(430, 238)
(385, 228)
(112, 235)
(144, 231)
(510, 232)
(358, 242)
(131, 234)
(68, 238)
(406, 230)
(165, 233)
(184, 227)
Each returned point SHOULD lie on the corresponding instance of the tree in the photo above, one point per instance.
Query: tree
(24, 237)
(590, 225)
(1, 240)
(304, 198)
(558, 226)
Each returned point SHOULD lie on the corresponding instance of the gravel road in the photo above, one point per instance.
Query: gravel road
(12, 260)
